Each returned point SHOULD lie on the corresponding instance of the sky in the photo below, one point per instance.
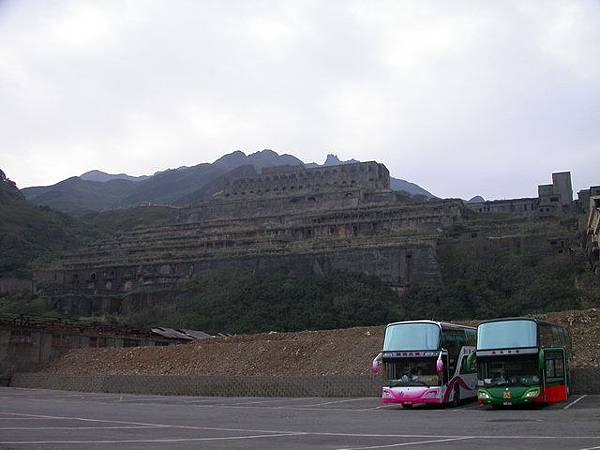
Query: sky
(463, 98)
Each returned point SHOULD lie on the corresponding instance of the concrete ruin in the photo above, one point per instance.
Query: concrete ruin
(296, 221)
(29, 342)
(553, 199)
(592, 234)
(290, 219)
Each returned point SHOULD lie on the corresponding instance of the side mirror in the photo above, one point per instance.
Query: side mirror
(376, 366)
(439, 364)
(542, 360)
(471, 362)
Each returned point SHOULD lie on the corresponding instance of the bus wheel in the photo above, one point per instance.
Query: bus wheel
(456, 398)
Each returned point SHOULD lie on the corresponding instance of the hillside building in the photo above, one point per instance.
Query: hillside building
(27, 342)
(289, 180)
(592, 234)
(583, 198)
(552, 199)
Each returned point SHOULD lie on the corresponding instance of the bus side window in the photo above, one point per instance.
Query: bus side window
(453, 341)
(555, 368)
(471, 337)
(559, 337)
(464, 366)
(546, 336)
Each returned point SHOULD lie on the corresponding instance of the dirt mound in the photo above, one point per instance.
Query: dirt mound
(316, 353)
(584, 326)
(336, 352)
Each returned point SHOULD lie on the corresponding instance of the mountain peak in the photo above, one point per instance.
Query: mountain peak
(234, 157)
(333, 160)
(265, 152)
(477, 199)
(8, 189)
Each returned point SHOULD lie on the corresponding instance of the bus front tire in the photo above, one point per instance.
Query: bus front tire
(456, 398)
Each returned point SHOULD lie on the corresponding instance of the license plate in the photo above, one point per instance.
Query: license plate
(507, 403)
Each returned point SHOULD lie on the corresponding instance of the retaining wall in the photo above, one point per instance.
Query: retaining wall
(328, 386)
(585, 381)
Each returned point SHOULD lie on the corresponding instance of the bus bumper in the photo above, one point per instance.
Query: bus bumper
(507, 396)
(411, 395)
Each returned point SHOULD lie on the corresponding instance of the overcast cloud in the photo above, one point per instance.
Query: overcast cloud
(463, 98)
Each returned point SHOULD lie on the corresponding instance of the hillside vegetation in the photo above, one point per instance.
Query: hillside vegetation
(28, 231)
(242, 303)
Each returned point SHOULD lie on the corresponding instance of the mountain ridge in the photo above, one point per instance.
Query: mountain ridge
(98, 175)
(99, 191)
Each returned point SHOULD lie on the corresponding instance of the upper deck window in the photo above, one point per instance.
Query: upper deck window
(412, 336)
(507, 334)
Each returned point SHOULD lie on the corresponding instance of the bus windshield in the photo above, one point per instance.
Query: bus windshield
(507, 334)
(412, 336)
(511, 370)
(412, 372)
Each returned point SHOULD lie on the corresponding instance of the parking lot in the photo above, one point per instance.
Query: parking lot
(42, 419)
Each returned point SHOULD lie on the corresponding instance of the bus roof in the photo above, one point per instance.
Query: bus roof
(441, 324)
(531, 319)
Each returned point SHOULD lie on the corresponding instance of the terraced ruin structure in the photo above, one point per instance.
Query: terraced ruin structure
(290, 219)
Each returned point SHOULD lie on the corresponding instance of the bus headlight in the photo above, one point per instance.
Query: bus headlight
(533, 393)
(431, 394)
(482, 395)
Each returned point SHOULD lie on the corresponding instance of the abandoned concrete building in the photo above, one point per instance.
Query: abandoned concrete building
(27, 342)
(552, 199)
(592, 234)
(583, 198)
(288, 219)
(292, 220)
(286, 180)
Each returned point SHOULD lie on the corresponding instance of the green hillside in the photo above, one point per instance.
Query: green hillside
(28, 231)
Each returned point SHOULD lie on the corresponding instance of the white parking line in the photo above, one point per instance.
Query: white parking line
(151, 441)
(124, 427)
(23, 418)
(277, 400)
(403, 444)
(157, 425)
(574, 401)
(287, 432)
(289, 408)
(342, 401)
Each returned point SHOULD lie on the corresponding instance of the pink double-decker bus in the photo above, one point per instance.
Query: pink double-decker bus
(425, 362)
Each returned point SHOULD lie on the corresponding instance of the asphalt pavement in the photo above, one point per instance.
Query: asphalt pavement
(44, 419)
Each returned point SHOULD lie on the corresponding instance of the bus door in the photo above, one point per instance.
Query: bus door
(468, 374)
(453, 341)
(555, 375)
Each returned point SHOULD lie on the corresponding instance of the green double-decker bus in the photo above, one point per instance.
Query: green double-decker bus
(522, 361)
